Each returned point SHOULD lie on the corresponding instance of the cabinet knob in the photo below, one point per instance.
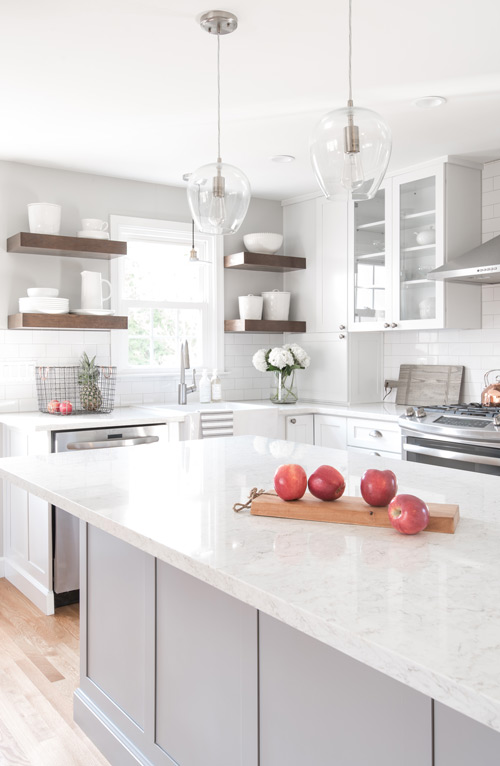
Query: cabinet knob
(375, 453)
(386, 324)
(341, 336)
(293, 421)
(394, 324)
(376, 434)
(341, 326)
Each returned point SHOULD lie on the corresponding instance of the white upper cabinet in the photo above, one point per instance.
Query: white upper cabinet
(416, 222)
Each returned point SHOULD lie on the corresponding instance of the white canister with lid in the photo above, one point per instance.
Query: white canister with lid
(250, 306)
(276, 306)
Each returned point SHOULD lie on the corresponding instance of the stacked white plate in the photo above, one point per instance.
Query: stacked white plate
(43, 305)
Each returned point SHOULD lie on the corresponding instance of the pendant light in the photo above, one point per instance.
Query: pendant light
(218, 194)
(350, 148)
(193, 253)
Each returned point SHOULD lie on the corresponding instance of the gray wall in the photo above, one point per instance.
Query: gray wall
(89, 196)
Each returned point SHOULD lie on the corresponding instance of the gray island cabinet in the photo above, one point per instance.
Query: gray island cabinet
(210, 638)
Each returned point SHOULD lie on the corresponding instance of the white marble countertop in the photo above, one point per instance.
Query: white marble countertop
(121, 416)
(424, 609)
(374, 410)
(151, 413)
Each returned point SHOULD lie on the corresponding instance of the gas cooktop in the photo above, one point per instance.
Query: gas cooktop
(462, 421)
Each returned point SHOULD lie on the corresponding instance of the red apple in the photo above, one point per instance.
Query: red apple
(290, 481)
(408, 514)
(66, 408)
(53, 406)
(326, 483)
(378, 487)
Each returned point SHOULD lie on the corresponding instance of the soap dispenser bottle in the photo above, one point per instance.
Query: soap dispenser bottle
(216, 387)
(205, 388)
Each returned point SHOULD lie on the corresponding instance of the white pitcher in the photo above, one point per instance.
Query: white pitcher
(92, 297)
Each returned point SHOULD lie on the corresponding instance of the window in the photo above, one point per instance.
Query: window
(167, 298)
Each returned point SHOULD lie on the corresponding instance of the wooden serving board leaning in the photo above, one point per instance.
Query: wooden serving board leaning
(349, 510)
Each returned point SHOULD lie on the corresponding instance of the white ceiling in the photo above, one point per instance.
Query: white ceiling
(127, 87)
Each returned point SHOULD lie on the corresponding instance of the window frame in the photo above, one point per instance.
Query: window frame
(128, 228)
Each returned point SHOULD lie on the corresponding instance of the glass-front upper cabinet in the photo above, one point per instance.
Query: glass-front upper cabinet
(418, 246)
(369, 275)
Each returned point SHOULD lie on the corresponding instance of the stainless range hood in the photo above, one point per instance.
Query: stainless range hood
(479, 266)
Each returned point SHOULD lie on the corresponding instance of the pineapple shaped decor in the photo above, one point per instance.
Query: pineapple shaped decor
(88, 377)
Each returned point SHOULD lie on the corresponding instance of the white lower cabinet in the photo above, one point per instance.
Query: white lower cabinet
(374, 435)
(300, 428)
(27, 527)
(330, 431)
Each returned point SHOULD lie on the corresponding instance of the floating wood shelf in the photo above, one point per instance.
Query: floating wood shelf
(262, 325)
(75, 247)
(263, 262)
(65, 322)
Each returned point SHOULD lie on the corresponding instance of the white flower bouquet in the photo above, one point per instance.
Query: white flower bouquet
(283, 361)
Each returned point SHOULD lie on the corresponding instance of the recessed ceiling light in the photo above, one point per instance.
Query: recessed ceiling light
(429, 102)
(282, 158)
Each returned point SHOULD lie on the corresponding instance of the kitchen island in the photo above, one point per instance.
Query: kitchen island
(210, 637)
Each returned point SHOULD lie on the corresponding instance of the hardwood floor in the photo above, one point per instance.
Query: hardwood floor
(39, 667)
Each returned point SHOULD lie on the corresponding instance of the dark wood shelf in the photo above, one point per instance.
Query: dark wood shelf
(262, 325)
(65, 322)
(263, 262)
(74, 247)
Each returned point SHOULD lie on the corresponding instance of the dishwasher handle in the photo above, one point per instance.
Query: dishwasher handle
(113, 443)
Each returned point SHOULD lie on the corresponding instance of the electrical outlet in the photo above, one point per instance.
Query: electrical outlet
(391, 383)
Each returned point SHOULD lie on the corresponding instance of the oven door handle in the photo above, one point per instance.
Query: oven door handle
(447, 455)
(113, 443)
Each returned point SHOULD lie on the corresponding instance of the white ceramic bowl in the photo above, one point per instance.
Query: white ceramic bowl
(265, 242)
(42, 292)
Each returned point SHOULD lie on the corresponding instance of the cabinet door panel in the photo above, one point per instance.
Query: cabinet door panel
(331, 265)
(300, 428)
(318, 706)
(206, 673)
(460, 741)
(116, 609)
(330, 431)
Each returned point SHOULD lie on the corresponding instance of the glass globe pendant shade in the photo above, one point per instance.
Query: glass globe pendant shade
(350, 151)
(218, 197)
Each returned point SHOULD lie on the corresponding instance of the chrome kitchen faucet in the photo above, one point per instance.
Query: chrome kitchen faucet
(183, 389)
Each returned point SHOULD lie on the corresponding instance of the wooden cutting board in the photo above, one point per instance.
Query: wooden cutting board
(349, 510)
(428, 384)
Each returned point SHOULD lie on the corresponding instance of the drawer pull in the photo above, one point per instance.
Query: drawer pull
(293, 421)
(376, 434)
(375, 453)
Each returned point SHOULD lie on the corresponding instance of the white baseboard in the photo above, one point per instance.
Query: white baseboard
(2, 567)
(23, 581)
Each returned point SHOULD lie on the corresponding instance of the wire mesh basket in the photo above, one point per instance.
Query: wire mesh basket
(61, 390)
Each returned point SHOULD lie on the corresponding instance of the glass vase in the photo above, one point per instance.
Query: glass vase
(284, 388)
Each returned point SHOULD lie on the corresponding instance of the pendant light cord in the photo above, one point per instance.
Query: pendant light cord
(218, 98)
(350, 52)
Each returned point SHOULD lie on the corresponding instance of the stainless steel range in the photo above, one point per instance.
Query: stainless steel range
(456, 436)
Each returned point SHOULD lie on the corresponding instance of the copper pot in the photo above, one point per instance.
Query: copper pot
(490, 397)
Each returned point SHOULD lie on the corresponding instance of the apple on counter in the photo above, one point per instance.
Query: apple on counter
(65, 408)
(326, 483)
(408, 514)
(53, 406)
(378, 487)
(290, 481)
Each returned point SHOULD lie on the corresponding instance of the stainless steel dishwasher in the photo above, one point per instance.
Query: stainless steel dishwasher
(65, 527)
